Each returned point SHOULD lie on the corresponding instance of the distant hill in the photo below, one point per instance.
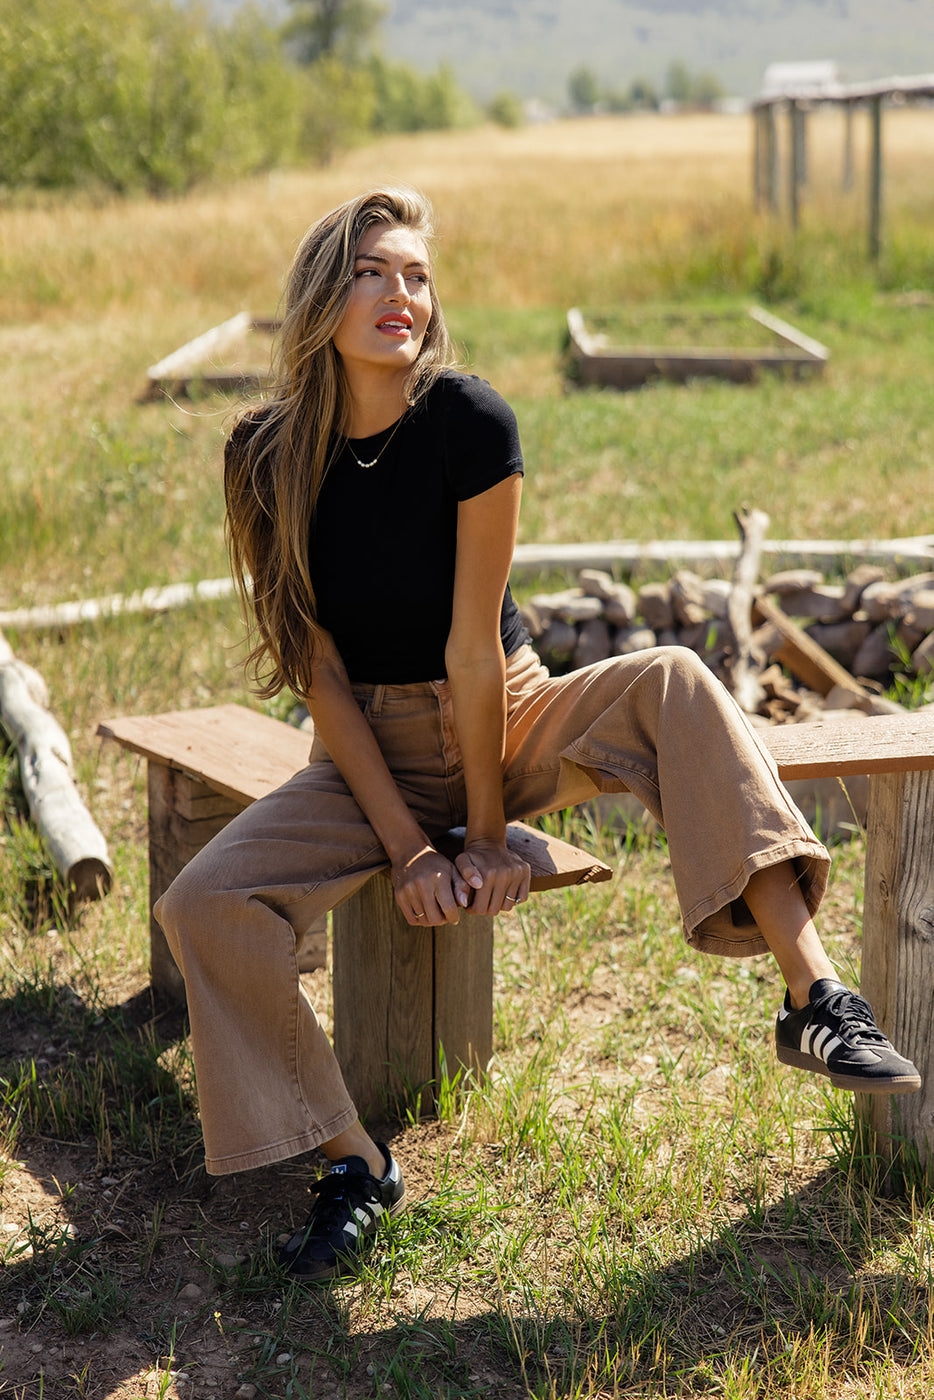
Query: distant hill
(531, 46)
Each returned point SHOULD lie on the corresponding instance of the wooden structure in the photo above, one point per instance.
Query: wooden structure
(426, 991)
(626, 366)
(429, 987)
(795, 102)
(195, 362)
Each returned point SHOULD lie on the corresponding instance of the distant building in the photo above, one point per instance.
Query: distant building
(816, 78)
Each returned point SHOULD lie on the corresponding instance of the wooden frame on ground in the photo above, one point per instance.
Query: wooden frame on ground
(625, 366)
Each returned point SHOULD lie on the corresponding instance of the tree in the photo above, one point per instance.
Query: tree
(678, 84)
(332, 28)
(505, 109)
(583, 89)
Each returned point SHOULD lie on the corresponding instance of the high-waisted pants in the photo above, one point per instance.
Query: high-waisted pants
(656, 723)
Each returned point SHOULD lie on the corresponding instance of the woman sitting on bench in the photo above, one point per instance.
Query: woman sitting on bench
(372, 504)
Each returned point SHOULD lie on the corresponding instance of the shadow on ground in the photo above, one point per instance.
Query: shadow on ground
(129, 1272)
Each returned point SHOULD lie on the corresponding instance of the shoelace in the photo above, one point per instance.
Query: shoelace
(855, 1017)
(336, 1193)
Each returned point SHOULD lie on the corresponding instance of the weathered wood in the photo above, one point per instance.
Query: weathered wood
(875, 178)
(173, 840)
(463, 996)
(188, 357)
(624, 367)
(75, 844)
(236, 751)
(898, 955)
(554, 864)
(744, 672)
(184, 815)
(829, 748)
(147, 600)
(402, 995)
(804, 657)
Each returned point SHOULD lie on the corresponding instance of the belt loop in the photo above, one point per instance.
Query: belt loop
(376, 703)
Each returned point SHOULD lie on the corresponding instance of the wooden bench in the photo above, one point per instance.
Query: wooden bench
(425, 990)
(429, 987)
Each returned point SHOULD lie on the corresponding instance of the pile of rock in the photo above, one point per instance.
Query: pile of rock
(869, 626)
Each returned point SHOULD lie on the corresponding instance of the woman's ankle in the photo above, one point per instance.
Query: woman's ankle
(355, 1141)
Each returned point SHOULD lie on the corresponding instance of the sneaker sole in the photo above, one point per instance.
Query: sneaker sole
(897, 1084)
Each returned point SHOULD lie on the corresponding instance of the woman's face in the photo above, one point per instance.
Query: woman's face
(386, 318)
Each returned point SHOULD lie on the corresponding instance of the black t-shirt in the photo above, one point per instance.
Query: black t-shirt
(382, 543)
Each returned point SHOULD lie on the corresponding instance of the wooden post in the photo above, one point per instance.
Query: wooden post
(765, 159)
(758, 158)
(402, 994)
(875, 178)
(898, 954)
(794, 172)
(801, 138)
(183, 816)
(771, 158)
(846, 183)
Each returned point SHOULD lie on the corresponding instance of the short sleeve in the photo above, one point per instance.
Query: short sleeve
(482, 444)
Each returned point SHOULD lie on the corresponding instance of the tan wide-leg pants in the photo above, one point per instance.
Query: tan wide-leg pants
(656, 723)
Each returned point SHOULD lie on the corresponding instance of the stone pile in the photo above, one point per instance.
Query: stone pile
(869, 625)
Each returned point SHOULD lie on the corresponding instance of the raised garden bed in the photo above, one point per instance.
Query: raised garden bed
(624, 350)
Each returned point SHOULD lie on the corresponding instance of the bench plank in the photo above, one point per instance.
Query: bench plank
(836, 748)
(238, 752)
(242, 755)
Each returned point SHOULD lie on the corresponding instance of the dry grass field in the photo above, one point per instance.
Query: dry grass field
(638, 1202)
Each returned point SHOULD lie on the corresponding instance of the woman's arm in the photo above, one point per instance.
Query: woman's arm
(429, 888)
(476, 669)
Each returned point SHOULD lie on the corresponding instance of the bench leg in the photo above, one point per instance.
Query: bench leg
(898, 953)
(184, 814)
(402, 994)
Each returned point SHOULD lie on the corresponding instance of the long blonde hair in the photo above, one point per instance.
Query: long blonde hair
(277, 455)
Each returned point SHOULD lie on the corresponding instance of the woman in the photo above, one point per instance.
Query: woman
(373, 503)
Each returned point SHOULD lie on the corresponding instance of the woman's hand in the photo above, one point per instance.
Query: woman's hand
(499, 879)
(430, 890)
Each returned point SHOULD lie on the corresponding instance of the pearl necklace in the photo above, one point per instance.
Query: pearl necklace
(367, 465)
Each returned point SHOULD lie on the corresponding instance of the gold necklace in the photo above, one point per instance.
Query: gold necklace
(367, 465)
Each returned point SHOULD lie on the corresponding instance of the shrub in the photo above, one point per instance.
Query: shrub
(138, 95)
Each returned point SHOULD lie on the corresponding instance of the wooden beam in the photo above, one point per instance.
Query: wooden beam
(181, 363)
(804, 657)
(794, 172)
(840, 748)
(875, 178)
(897, 968)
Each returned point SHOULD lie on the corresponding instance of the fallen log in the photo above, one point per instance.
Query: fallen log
(76, 846)
(148, 600)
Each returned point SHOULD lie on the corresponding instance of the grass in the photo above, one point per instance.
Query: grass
(637, 1201)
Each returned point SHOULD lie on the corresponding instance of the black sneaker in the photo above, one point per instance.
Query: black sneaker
(348, 1210)
(835, 1034)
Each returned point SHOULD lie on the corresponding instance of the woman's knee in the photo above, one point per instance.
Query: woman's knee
(189, 898)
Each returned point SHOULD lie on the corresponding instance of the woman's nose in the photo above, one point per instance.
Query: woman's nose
(396, 289)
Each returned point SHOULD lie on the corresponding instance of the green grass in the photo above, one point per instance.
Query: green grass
(637, 1201)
